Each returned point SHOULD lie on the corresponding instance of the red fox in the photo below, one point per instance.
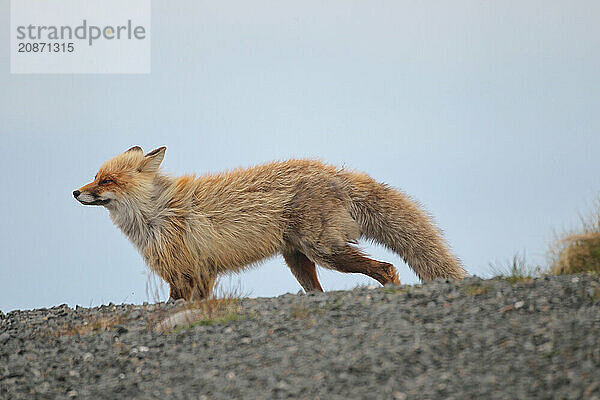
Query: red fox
(191, 229)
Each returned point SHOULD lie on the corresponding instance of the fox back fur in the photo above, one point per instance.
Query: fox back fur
(191, 229)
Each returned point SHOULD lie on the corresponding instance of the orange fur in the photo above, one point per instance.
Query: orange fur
(192, 229)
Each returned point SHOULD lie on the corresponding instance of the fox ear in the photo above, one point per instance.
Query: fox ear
(152, 160)
(135, 148)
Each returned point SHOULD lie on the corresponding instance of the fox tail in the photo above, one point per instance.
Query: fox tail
(391, 218)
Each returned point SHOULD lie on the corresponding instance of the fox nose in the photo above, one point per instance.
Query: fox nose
(76, 193)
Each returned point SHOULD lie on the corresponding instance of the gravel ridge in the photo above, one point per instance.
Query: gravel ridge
(492, 339)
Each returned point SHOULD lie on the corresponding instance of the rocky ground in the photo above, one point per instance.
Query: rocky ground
(476, 339)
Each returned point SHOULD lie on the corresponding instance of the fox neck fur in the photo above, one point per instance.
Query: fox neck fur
(140, 217)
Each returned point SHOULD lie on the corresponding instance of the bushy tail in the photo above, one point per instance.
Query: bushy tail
(392, 219)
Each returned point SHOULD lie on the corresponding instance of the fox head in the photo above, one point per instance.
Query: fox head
(121, 177)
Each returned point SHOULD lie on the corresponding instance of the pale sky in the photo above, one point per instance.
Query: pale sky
(486, 112)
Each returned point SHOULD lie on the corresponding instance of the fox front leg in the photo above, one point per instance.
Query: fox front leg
(191, 286)
(180, 289)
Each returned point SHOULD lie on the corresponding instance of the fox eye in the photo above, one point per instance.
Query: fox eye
(105, 181)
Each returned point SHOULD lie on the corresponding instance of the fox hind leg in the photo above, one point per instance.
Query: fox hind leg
(304, 270)
(352, 260)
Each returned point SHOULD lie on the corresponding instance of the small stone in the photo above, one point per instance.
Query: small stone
(529, 346)
(545, 348)
(121, 330)
(400, 396)
(519, 304)
(594, 386)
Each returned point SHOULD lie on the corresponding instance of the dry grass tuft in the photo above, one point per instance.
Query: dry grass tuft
(155, 288)
(516, 270)
(89, 326)
(475, 289)
(221, 307)
(578, 250)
